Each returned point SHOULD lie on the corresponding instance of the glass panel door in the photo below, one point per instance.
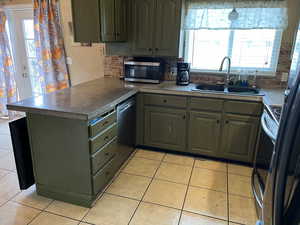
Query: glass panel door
(20, 22)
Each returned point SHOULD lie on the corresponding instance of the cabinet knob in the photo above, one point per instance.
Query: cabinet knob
(165, 100)
(149, 49)
(226, 121)
(183, 117)
(218, 121)
(118, 34)
(156, 49)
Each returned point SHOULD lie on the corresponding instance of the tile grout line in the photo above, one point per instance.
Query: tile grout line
(40, 212)
(146, 190)
(227, 174)
(110, 183)
(187, 189)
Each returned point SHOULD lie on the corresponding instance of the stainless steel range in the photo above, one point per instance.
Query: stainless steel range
(263, 156)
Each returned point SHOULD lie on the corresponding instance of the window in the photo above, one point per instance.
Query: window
(28, 30)
(247, 31)
(250, 50)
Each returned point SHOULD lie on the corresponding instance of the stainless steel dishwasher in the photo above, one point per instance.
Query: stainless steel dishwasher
(126, 115)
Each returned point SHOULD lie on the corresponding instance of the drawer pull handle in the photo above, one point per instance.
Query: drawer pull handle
(149, 49)
(183, 117)
(218, 121)
(106, 122)
(226, 121)
(165, 101)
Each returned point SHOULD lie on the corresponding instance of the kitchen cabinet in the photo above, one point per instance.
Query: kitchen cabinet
(167, 27)
(204, 133)
(156, 27)
(165, 128)
(74, 159)
(143, 26)
(239, 137)
(218, 128)
(113, 20)
(99, 20)
(86, 21)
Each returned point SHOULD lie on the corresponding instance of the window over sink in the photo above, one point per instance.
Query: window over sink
(248, 32)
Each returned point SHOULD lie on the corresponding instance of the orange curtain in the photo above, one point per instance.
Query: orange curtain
(8, 90)
(52, 68)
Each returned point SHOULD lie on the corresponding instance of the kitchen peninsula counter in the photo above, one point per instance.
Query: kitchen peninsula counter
(87, 100)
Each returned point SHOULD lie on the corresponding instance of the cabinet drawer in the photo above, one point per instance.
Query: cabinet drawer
(103, 138)
(104, 155)
(247, 108)
(101, 179)
(206, 104)
(165, 100)
(101, 123)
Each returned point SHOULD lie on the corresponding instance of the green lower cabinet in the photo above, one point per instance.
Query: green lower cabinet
(165, 128)
(204, 133)
(239, 137)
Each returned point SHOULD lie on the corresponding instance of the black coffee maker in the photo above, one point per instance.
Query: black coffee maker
(183, 73)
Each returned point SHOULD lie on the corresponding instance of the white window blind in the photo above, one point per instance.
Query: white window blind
(253, 44)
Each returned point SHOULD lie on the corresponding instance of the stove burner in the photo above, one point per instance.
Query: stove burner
(276, 110)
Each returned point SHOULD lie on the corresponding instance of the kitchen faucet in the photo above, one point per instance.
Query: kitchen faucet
(228, 69)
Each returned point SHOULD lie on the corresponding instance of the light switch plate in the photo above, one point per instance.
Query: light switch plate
(69, 60)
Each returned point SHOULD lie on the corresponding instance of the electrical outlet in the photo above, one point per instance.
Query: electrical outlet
(284, 77)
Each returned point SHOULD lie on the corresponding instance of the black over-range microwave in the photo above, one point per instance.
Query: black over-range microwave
(144, 70)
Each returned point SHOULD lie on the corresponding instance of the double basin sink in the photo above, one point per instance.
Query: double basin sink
(229, 89)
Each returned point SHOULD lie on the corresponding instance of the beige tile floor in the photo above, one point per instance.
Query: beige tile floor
(152, 188)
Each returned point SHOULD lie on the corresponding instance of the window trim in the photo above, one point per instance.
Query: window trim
(251, 71)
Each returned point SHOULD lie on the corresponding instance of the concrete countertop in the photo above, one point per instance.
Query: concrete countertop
(88, 100)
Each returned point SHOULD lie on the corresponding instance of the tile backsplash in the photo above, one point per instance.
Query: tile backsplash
(114, 67)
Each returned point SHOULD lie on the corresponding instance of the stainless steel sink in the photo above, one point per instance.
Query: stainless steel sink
(235, 89)
(230, 89)
(210, 87)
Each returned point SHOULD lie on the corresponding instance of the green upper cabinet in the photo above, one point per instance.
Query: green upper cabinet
(156, 27)
(143, 26)
(165, 128)
(204, 133)
(99, 20)
(167, 27)
(121, 20)
(239, 137)
(107, 12)
(86, 21)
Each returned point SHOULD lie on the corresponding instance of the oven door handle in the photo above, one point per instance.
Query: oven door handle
(254, 191)
(265, 128)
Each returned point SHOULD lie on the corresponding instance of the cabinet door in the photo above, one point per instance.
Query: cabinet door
(143, 21)
(107, 9)
(167, 27)
(165, 128)
(86, 21)
(239, 137)
(204, 133)
(121, 19)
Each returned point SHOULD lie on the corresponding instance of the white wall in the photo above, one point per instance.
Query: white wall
(88, 62)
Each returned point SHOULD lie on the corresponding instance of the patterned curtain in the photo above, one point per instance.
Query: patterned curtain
(8, 90)
(51, 58)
